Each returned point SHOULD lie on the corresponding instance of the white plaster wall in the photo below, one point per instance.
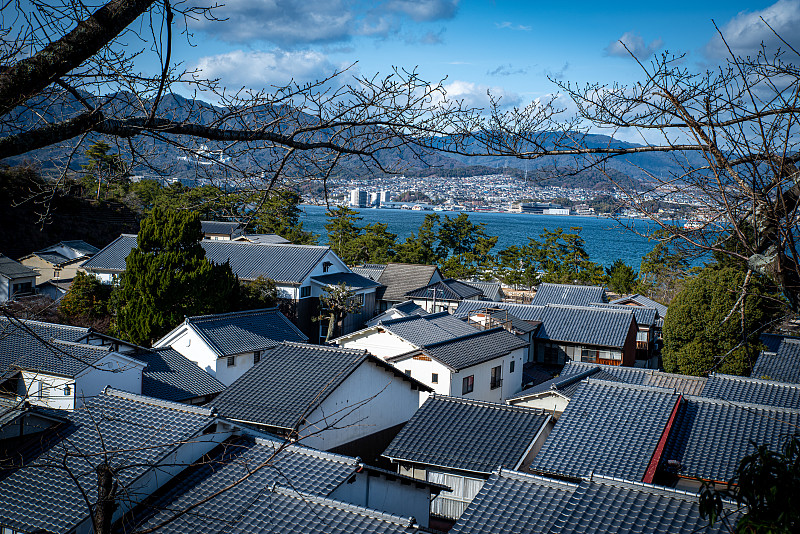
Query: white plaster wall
(441, 305)
(111, 371)
(423, 371)
(550, 402)
(371, 399)
(512, 382)
(190, 344)
(378, 493)
(242, 363)
(381, 344)
(47, 390)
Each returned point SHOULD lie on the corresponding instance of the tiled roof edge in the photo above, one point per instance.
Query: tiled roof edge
(242, 313)
(625, 385)
(308, 451)
(742, 405)
(477, 333)
(489, 404)
(530, 477)
(753, 380)
(158, 402)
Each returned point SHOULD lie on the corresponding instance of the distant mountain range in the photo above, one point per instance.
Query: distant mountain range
(161, 154)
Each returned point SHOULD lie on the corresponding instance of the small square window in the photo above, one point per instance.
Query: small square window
(511, 367)
(231, 361)
(256, 357)
(305, 292)
(67, 390)
(435, 378)
(326, 266)
(468, 384)
(408, 372)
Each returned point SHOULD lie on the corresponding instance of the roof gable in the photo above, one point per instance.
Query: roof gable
(423, 330)
(400, 278)
(170, 375)
(282, 263)
(641, 300)
(244, 331)
(609, 429)
(467, 435)
(38, 497)
(567, 294)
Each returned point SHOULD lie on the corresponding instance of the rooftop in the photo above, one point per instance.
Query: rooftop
(608, 428)
(585, 325)
(170, 375)
(400, 278)
(467, 435)
(783, 364)
(14, 270)
(423, 330)
(752, 390)
(448, 289)
(526, 312)
(640, 300)
(571, 295)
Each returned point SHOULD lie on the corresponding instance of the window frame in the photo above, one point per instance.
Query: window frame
(496, 377)
(468, 384)
(231, 361)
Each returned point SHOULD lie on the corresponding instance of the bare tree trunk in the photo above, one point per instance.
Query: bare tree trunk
(106, 504)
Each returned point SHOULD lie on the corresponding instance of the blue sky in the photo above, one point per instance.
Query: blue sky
(509, 47)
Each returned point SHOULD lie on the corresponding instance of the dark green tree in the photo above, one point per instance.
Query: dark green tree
(621, 277)
(87, 298)
(663, 270)
(167, 277)
(564, 259)
(766, 485)
(259, 293)
(280, 214)
(713, 325)
(342, 231)
(420, 248)
(102, 165)
(376, 244)
(464, 248)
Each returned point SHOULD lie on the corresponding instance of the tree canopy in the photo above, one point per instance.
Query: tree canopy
(168, 277)
(713, 325)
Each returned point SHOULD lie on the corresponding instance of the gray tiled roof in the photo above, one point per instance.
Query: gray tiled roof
(371, 270)
(352, 281)
(80, 247)
(245, 331)
(566, 385)
(688, 385)
(604, 505)
(467, 435)
(644, 316)
(584, 325)
(422, 330)
(491, 290)
(782, 365)
(13, 270)
(515, 503)
(710, 436)
(290, 381)
(472, 349)
(264, 239)
(400, 278)
(45, 347)
(641, 300)
(448, 289)
(170, 375)
(259, 464)
(752, 390)
(607, 428)
(137, 432)
(773, 341)
(404, 309)
(526, 312)
(282, 263)
(52, 257)
(567, 294)
(282, 509)
(219, 227)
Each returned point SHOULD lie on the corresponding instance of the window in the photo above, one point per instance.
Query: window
(511, 367)
(305, 292)
(67, 390)
(326, 266)
(435, 378)
(497, 373)
(231, 361)
(408, 372)
(256, 357)
(468, 384)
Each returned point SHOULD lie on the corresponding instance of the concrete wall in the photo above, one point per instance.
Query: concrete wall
(555, 404)
(371, 399)
(186, 341)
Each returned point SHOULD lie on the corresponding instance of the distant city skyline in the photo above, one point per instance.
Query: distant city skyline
(509, 48)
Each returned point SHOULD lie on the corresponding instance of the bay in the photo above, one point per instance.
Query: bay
(606, 240)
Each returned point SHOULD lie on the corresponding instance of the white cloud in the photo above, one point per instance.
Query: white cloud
(745, 32)
(635, 45)
(507, 70)
(511, 26)
(290, 23)
(424, 10)
(259, 69)
(476, 95)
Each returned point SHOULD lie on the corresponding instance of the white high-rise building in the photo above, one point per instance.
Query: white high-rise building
(358, 198)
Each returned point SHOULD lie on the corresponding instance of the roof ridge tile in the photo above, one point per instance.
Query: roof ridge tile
(144, 399)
